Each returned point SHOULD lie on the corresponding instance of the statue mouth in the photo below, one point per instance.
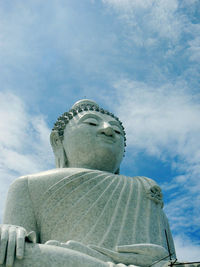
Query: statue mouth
(107, 139)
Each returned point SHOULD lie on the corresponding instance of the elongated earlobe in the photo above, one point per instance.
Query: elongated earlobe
(62, 159)
(58, 150)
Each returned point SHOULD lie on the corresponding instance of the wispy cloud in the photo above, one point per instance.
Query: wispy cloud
(185, 249)
(158, 19)
(162, 118)
(165, 33)
(164, 123)
(24, 142)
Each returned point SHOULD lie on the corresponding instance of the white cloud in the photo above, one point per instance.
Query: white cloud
(186, 250)
(160, 119)
(148, 17)
(24, 142)
(164, 24)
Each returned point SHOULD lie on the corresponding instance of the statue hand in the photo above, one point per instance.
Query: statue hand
(146, 249)
(12, 242)
(77, 246)
(137, 254)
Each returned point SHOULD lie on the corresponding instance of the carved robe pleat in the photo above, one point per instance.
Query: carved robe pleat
(103, 209)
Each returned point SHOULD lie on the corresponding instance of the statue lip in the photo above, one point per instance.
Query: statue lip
(106, 138)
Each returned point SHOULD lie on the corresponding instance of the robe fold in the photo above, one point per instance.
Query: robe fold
(102, 209)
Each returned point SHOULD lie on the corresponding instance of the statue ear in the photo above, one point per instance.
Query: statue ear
(58, 150)
(55, 140)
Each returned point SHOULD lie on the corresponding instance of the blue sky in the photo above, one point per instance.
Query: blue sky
(137, 58)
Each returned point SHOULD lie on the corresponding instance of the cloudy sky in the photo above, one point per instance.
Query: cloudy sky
(137, 58)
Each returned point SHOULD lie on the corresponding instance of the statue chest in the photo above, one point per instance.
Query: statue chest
(103, 209)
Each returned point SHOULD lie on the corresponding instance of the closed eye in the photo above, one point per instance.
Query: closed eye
(92, 123)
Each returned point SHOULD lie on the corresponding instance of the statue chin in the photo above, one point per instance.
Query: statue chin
(102, 160)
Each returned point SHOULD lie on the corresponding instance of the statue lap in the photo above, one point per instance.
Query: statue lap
(41, 255)
(73, 185)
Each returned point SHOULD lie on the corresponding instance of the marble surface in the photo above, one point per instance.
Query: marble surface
(84, 213)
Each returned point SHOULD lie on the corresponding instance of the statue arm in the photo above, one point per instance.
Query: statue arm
(19, 207)
(137, 254)
(19, 223)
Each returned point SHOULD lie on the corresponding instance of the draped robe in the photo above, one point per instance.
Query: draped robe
(97, 208)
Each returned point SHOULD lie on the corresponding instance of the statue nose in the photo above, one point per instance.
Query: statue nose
(107, 130)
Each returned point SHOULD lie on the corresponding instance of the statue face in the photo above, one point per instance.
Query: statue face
(95, 141)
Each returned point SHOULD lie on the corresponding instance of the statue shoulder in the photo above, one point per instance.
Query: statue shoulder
(39, 183)
(22, 183)
(19, 209)
(18, 186)
(49, 173)
(27, 191)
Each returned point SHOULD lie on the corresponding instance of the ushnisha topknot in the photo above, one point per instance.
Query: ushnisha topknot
(78, 107)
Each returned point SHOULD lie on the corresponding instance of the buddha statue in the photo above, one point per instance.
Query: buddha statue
(84, 213)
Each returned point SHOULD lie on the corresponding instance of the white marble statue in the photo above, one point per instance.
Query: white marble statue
(84, 213)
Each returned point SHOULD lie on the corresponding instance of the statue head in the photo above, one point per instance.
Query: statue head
(88, 137)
